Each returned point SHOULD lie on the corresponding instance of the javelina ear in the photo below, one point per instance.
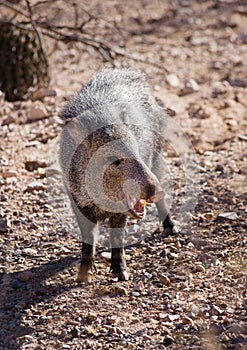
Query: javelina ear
(156, 197)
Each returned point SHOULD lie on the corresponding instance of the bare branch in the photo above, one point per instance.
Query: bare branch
(41, 43)
(70, 34)
(13, 8)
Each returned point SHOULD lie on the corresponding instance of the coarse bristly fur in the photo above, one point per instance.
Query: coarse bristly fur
(113, 137)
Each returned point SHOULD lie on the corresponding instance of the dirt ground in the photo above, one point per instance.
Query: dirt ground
(185, 292)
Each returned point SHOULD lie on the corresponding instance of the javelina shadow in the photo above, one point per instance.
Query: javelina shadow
(20, 290)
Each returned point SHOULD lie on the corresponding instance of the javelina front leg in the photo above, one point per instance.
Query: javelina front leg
(118, 262)
(164, 215)
(87, 263)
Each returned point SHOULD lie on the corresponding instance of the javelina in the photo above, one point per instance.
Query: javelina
(109, 154)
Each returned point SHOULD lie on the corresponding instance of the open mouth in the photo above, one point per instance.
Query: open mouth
(137, 207)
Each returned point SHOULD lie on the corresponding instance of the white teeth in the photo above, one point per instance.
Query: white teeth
(131, 201)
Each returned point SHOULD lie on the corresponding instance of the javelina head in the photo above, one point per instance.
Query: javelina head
(108, 167)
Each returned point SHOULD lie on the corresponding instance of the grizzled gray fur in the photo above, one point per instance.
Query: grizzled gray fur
(110, 155)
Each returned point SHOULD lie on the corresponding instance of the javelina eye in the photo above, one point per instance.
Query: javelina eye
(114, 160)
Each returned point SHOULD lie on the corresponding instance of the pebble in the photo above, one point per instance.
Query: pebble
(138, 287)
(106, 255)
(164, 279)
(219, 167)
(112, 319)
(35, 186)
(5, 224)
(188, 320)
(173, 80)
(31, 165)
(8, 120)
(208, 216)
(3, 161)
(168, 340)
(32, 144)
(25, 276)
(227, 216)
(199, 267)
(141, 332)
(30, 251)
(190, 86)
(36, 113)
(215, 310)
(9, 173)
(40, 94)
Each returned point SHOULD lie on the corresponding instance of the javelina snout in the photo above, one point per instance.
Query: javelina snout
(129, 182)
(109, 154)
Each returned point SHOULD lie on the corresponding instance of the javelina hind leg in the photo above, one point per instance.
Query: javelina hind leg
(87, 263)
(89, 232)
(118, 262)
(164, 215)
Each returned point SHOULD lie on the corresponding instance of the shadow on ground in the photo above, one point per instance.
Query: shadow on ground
(20, 290)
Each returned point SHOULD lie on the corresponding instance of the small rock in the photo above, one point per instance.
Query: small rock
(238, 82)
(29, 337)
(215, 310)
(36, 113)
(64, 251)
(230, 310)
(3, 161)
(25, 276)
(106, 255)
(31, 165)
(173, 317)
(188, 320)
(194, 310)
(40, 94)
(9, 173)
(235, 329)
(138, 287)
(227, 216)
(199, 267)
(164, 279)
(4, 198)
(220, 88)
(208, 216)
(5, 224)
(190, 86)
(112, 319)
(141, 332)
(219, 167)
(119, 290)
(242, 137)
(168, 340)
(32, 144)
(8, 120)
(173, 80)
(30, 251)
(74, 332)
(35, 186)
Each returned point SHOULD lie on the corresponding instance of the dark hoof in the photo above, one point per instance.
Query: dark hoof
(121, 276)
(171, 231)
